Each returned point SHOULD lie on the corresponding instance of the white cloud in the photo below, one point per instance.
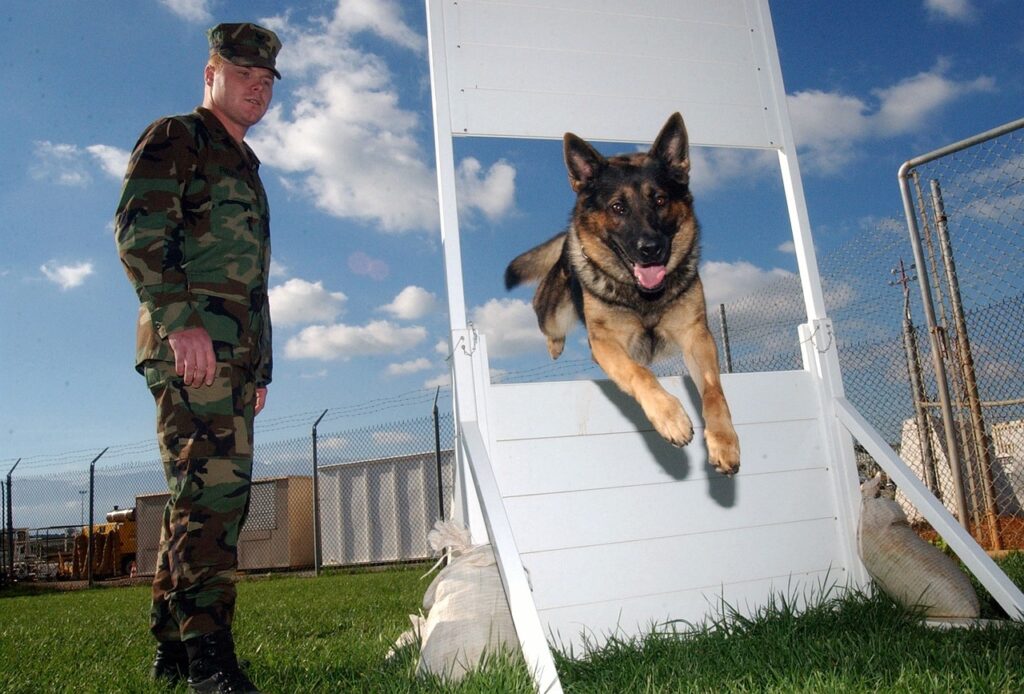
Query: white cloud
(412, 303)
(829, 126)
(442, 348)
(298, 301)
(346, 140)
(510, 326)
(714, 167)
(755, 297)
(826, 126)
(113, 160)
(70, 165)
(277, 268)
(354, 149)
(328, 40)
(491, 192)
(409, 367)
(954, 10)
(724, 283)
(786, 247)
(339, 341)
(334, 443)
(67, 276)
(382, 17)
(905, 106)
(820, 116)
(391, 438)
(441, 380)
(62, 164)
(1003, 177)
(190, 10)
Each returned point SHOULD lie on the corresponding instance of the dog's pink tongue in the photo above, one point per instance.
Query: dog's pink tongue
(649, 276)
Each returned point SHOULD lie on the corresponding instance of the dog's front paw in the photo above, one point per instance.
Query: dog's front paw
(723, 451)
(670, 420)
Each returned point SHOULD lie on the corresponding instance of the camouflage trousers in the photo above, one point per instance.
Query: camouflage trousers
(205, 437)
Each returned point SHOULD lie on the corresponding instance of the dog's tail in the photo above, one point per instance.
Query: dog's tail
(534, 264)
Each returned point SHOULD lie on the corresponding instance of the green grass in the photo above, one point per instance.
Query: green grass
(852, 644)
(331, 634)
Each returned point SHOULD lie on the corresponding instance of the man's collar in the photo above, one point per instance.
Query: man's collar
(214, 125)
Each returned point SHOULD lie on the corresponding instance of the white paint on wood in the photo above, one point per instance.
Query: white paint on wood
(606, 514)
(610, 71)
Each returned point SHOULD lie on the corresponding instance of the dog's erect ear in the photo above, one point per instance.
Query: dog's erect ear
(672, 147)
(583, 161)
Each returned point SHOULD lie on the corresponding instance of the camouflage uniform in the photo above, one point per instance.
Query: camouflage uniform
(193, 233)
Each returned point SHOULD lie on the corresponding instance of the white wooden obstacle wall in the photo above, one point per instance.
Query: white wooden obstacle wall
(599, 527)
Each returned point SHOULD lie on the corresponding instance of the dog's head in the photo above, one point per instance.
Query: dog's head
(634, 212)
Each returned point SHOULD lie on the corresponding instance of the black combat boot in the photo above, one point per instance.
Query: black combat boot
(171, 663)
(213, 668)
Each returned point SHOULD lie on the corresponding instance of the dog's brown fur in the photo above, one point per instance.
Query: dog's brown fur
(627, 266)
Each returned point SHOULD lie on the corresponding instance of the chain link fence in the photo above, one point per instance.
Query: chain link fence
(966, 214)
(381, 489)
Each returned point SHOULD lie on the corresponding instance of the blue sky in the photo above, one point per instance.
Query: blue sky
(357, 289)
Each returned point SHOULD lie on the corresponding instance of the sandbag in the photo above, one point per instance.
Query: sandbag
(467, 611)
(912, 572)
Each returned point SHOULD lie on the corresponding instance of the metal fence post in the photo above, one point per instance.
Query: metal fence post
(437, 457)
(3, 534)
(316, 502)
(725, 339)
(10, 523)
(941, 384)
(966, 364)
(964, 467)
(92, 499)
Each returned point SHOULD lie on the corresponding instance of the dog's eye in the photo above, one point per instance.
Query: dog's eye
(660, 200)
(618, 208)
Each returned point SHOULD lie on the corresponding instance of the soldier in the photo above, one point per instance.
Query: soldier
(193, 233)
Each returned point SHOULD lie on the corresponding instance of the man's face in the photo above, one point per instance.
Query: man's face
(241, 94)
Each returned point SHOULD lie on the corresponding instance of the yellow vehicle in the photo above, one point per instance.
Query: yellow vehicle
(113, 552)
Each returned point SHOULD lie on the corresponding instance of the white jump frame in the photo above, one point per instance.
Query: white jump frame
(475, 94)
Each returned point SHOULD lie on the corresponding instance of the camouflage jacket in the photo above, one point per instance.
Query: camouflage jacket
(193, 233)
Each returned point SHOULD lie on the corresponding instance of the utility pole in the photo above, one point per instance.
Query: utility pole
(917, 394)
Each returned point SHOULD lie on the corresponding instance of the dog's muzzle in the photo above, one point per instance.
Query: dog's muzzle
(649, 262)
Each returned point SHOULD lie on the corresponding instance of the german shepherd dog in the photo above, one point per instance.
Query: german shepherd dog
(627, 267)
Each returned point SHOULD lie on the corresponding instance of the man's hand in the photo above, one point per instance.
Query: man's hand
(261, 399)
(194, 359)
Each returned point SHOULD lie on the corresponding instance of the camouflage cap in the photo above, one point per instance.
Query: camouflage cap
(246, 44)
